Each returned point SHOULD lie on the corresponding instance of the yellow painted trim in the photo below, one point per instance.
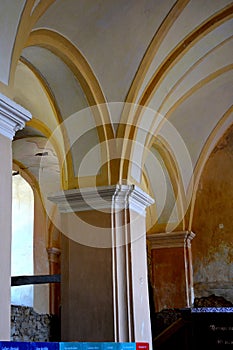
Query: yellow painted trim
(159, 228)
(161, 33)
(169, 62)
(28, 176)
(69, 174)
(26, 22)
(5, 90)
(23, 31)
(40, 9)
(188, 42)
(71, 56)
(126, 128)
(179, 81)
(46, 89)
(203, 158)
(172, 167)
(87, 181)
(32, 181)
(51, 226)
(149, 141)
(151, 211)
(190, 92)
(68, 179)
(176, 181)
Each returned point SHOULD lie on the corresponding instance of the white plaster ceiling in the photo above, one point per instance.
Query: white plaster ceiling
(112, 35)
(10, 12)
(28, 92)
(203, 119)
(194, 91)
(193, 15)
(38, 157)
(69, 95)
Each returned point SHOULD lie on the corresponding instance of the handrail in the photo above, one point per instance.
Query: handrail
(169, 331)
(36, 279)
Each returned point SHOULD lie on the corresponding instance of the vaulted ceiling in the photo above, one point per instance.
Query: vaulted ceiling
(156, 74)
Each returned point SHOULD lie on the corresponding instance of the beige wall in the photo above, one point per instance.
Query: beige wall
(41, 264)
(87, 309)
(105, 290)
(213, 245)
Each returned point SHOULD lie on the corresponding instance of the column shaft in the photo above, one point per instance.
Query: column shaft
(54, 288)
(104, 265)
(12, 118)
(5, 232)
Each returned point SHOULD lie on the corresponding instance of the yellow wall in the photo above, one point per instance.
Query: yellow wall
(213, 216)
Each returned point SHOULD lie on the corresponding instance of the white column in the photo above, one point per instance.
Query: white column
(130, 280)
(12, 118)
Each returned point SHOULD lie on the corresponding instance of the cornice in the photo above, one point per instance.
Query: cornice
(177, 239)
(115, 197)
(12, 117)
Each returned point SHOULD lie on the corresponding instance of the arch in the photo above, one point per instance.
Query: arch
(221, 128)
(73, 58)
(153, 48)
(179, 81)
(22, 254)
(29, 17)
(203, 29)
(40, 238)
(211, 23)
(39, 125)
(172, 166)
(66, 167)
(196, 87)
(175, 179)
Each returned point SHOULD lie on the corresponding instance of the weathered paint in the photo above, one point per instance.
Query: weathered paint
(213, 246)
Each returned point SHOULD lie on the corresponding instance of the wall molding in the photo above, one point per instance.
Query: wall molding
(115, 197)
(12, 117)
(178, 239)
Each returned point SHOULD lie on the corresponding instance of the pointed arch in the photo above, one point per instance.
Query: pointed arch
(129, 127)
(221, 128)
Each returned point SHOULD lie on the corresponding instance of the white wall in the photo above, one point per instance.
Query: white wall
(22, 239)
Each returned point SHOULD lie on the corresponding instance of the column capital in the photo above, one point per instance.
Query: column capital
(170, 240)
(12, 117)
(115, 197)
(53, 254)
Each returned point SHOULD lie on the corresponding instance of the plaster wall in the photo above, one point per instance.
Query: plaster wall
(169, 282)
(212, 247)
(140, 292)
(41, 264)
(22, 239)
(86, 288)
(5, 235)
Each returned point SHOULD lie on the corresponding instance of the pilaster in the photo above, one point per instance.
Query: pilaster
(171, 270)
(12, 118)
(54, 288)
(110, 223)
